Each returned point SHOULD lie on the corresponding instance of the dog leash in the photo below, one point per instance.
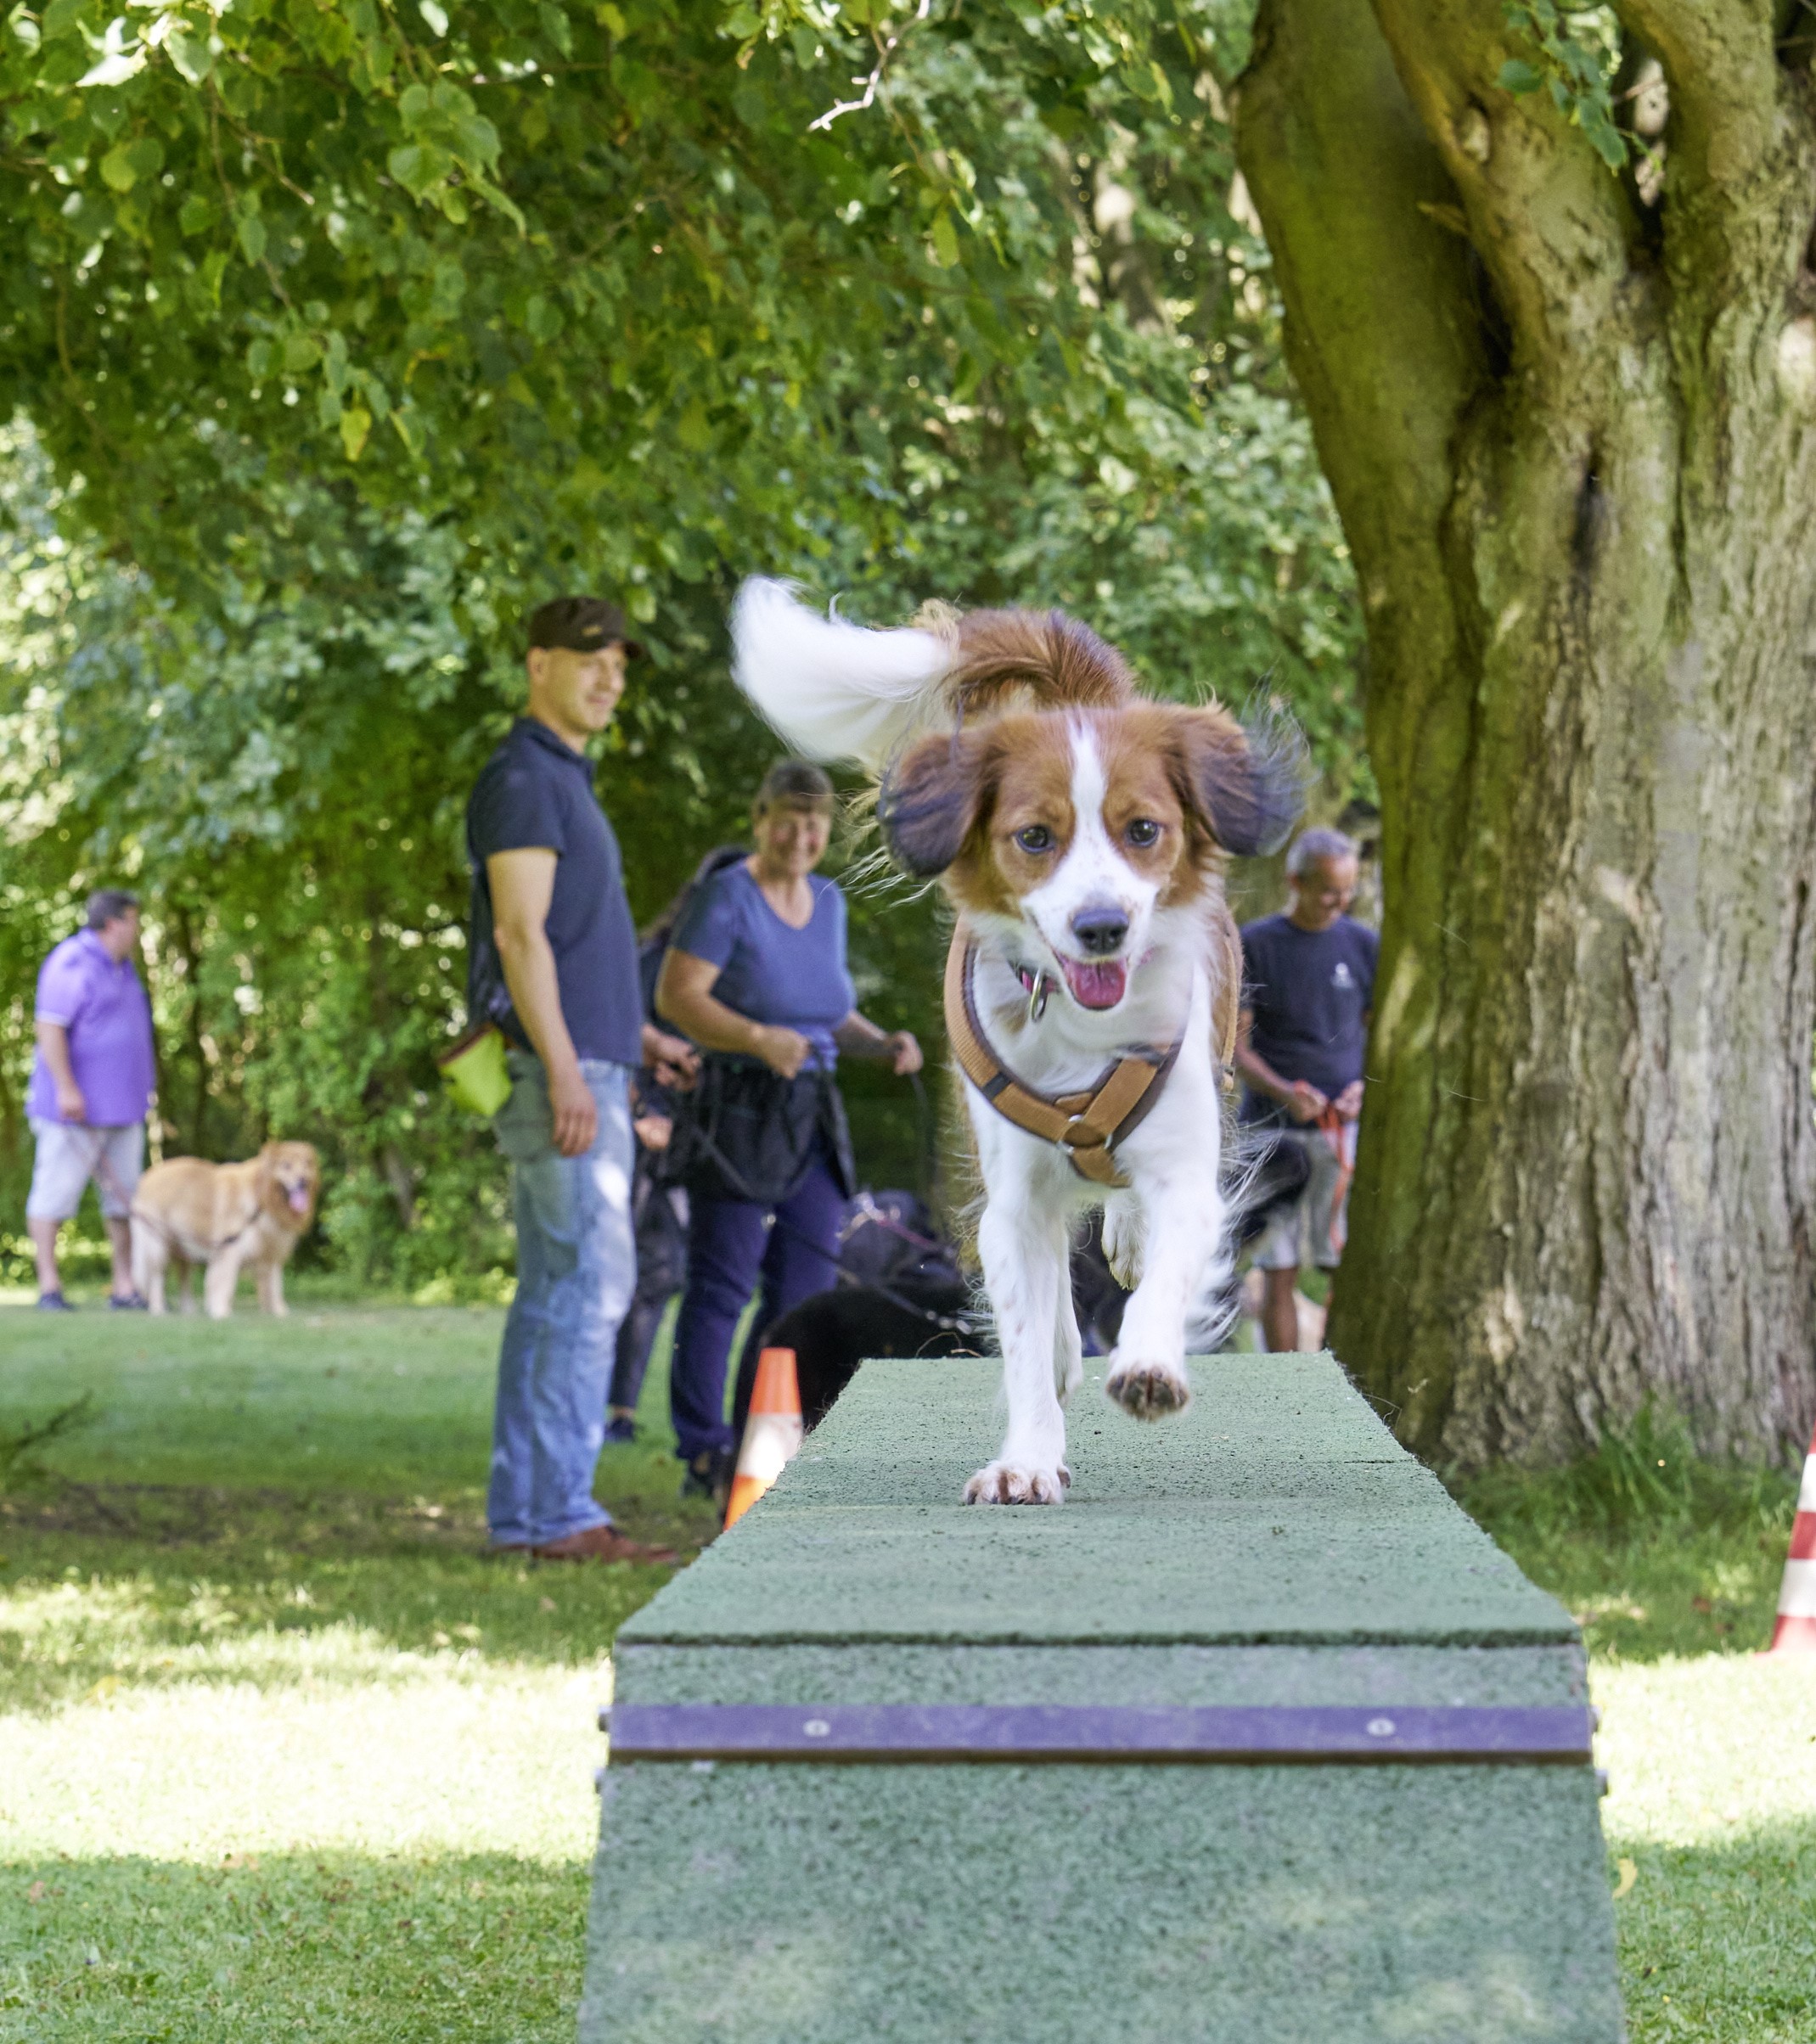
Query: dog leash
(1340, 1134)
(1086, 1125)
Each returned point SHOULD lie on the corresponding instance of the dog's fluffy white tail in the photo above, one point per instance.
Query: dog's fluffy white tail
(835, 691)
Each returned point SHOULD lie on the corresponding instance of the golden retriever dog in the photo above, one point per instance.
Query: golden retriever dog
(223, 1217)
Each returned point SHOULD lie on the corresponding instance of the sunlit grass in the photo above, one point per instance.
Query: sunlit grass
(284, 1753)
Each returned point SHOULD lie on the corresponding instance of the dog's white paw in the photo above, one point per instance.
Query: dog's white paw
(1013, 1483)
(1148, 1391)
(1123, 1230)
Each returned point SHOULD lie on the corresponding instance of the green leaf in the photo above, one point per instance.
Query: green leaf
(62, 18)
(190, 52)
(252, 237)
(418, 165)
(118, 171)
(944, 234)
(1518, 76)
(434, 15)
(542, 320)
(196, 215)
(300, 353)
(557, 27)
(355, 426)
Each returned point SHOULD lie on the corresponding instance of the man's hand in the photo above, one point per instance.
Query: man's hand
(1348, 1103)
(785, 1051)
(1303, 1101)
(673, 1059)
(903, 1052)
(577, 1114)
(654, 1132)
(71, 1104)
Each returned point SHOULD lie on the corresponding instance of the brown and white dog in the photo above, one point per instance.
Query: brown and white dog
(1079, 830)
(224, 1216)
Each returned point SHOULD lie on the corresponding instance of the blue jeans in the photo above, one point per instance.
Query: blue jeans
(576, 1266)
(731, 1243)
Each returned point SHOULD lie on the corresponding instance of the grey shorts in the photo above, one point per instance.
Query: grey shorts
(69, 1153)
(1303, 1233)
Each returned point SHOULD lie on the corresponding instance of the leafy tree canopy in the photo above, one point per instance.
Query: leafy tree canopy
(346, 331)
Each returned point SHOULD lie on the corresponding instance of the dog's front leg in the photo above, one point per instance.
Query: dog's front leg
(218, 1281)
(1184, 1223)
(1024, 1257)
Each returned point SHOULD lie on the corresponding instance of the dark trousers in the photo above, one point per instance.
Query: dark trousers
(662, 1270)
(732, 1244)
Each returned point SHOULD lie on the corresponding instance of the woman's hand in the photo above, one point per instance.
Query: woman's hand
(672, 1059)
(903, 1052)
(785, 1051)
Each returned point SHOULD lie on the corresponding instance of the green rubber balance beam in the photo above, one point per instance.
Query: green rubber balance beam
(1260, 1586)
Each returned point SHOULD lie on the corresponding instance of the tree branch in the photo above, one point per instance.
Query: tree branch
(1555, 229)
(1720, 60)
(1380, 325)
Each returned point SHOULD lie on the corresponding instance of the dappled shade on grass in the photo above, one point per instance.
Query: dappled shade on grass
(289, 1754)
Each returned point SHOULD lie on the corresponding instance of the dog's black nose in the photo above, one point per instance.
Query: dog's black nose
(1099, 930)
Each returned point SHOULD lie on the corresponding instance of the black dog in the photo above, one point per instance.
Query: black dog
(900, 1292)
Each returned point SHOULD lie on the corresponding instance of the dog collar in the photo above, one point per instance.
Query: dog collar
(1088, 1125)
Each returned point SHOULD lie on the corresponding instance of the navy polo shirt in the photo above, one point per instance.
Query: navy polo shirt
(537, 792)
(1310, 991)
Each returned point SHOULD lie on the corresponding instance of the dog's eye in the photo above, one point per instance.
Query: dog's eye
(1035, 838)
(1142, 832)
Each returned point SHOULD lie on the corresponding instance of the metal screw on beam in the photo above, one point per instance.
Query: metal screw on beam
(1601, 1780)
(606, 1721)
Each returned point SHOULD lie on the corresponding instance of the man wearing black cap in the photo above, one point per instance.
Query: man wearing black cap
(554, 963)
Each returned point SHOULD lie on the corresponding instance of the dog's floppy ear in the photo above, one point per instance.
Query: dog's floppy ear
(1246, 782)
(929, 801)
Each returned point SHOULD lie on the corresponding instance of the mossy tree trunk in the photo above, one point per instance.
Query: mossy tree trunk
(1573, 438)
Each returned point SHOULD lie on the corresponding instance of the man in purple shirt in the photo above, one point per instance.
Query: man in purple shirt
(91, 1086)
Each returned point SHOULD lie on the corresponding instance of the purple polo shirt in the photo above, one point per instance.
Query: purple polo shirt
(101, 1003)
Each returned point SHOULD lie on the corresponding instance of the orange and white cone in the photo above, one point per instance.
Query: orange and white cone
(772, 1434)
(1795, 1630)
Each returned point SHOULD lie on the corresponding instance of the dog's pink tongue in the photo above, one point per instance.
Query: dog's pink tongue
(1099, 984)
(299, 1199)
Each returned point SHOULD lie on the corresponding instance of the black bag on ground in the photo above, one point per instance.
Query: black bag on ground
(743, 1132)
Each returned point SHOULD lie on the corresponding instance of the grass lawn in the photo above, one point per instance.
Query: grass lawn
(284, 1753)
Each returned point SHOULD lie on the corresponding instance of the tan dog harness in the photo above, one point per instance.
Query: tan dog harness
(1087, 1127)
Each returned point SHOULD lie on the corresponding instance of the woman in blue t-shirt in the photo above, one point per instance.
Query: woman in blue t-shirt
(756, 975)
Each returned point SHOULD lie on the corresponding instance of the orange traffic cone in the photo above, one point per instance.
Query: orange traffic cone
(1795, 1630)
(772, 1435)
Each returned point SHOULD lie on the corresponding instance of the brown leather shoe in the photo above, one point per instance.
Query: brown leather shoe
(603, 1543)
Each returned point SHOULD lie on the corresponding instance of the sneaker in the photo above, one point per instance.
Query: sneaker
(710, 1475)
(620, 1433)
(130, 1304)
(53, 1302)
(603, 1543)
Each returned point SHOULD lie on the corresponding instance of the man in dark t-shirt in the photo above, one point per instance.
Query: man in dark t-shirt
(1308, 987)
(552, 961)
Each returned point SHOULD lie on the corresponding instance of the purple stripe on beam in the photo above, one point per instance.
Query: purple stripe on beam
(1269, 1734)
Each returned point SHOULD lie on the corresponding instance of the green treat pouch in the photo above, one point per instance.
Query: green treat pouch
(473, 1070)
